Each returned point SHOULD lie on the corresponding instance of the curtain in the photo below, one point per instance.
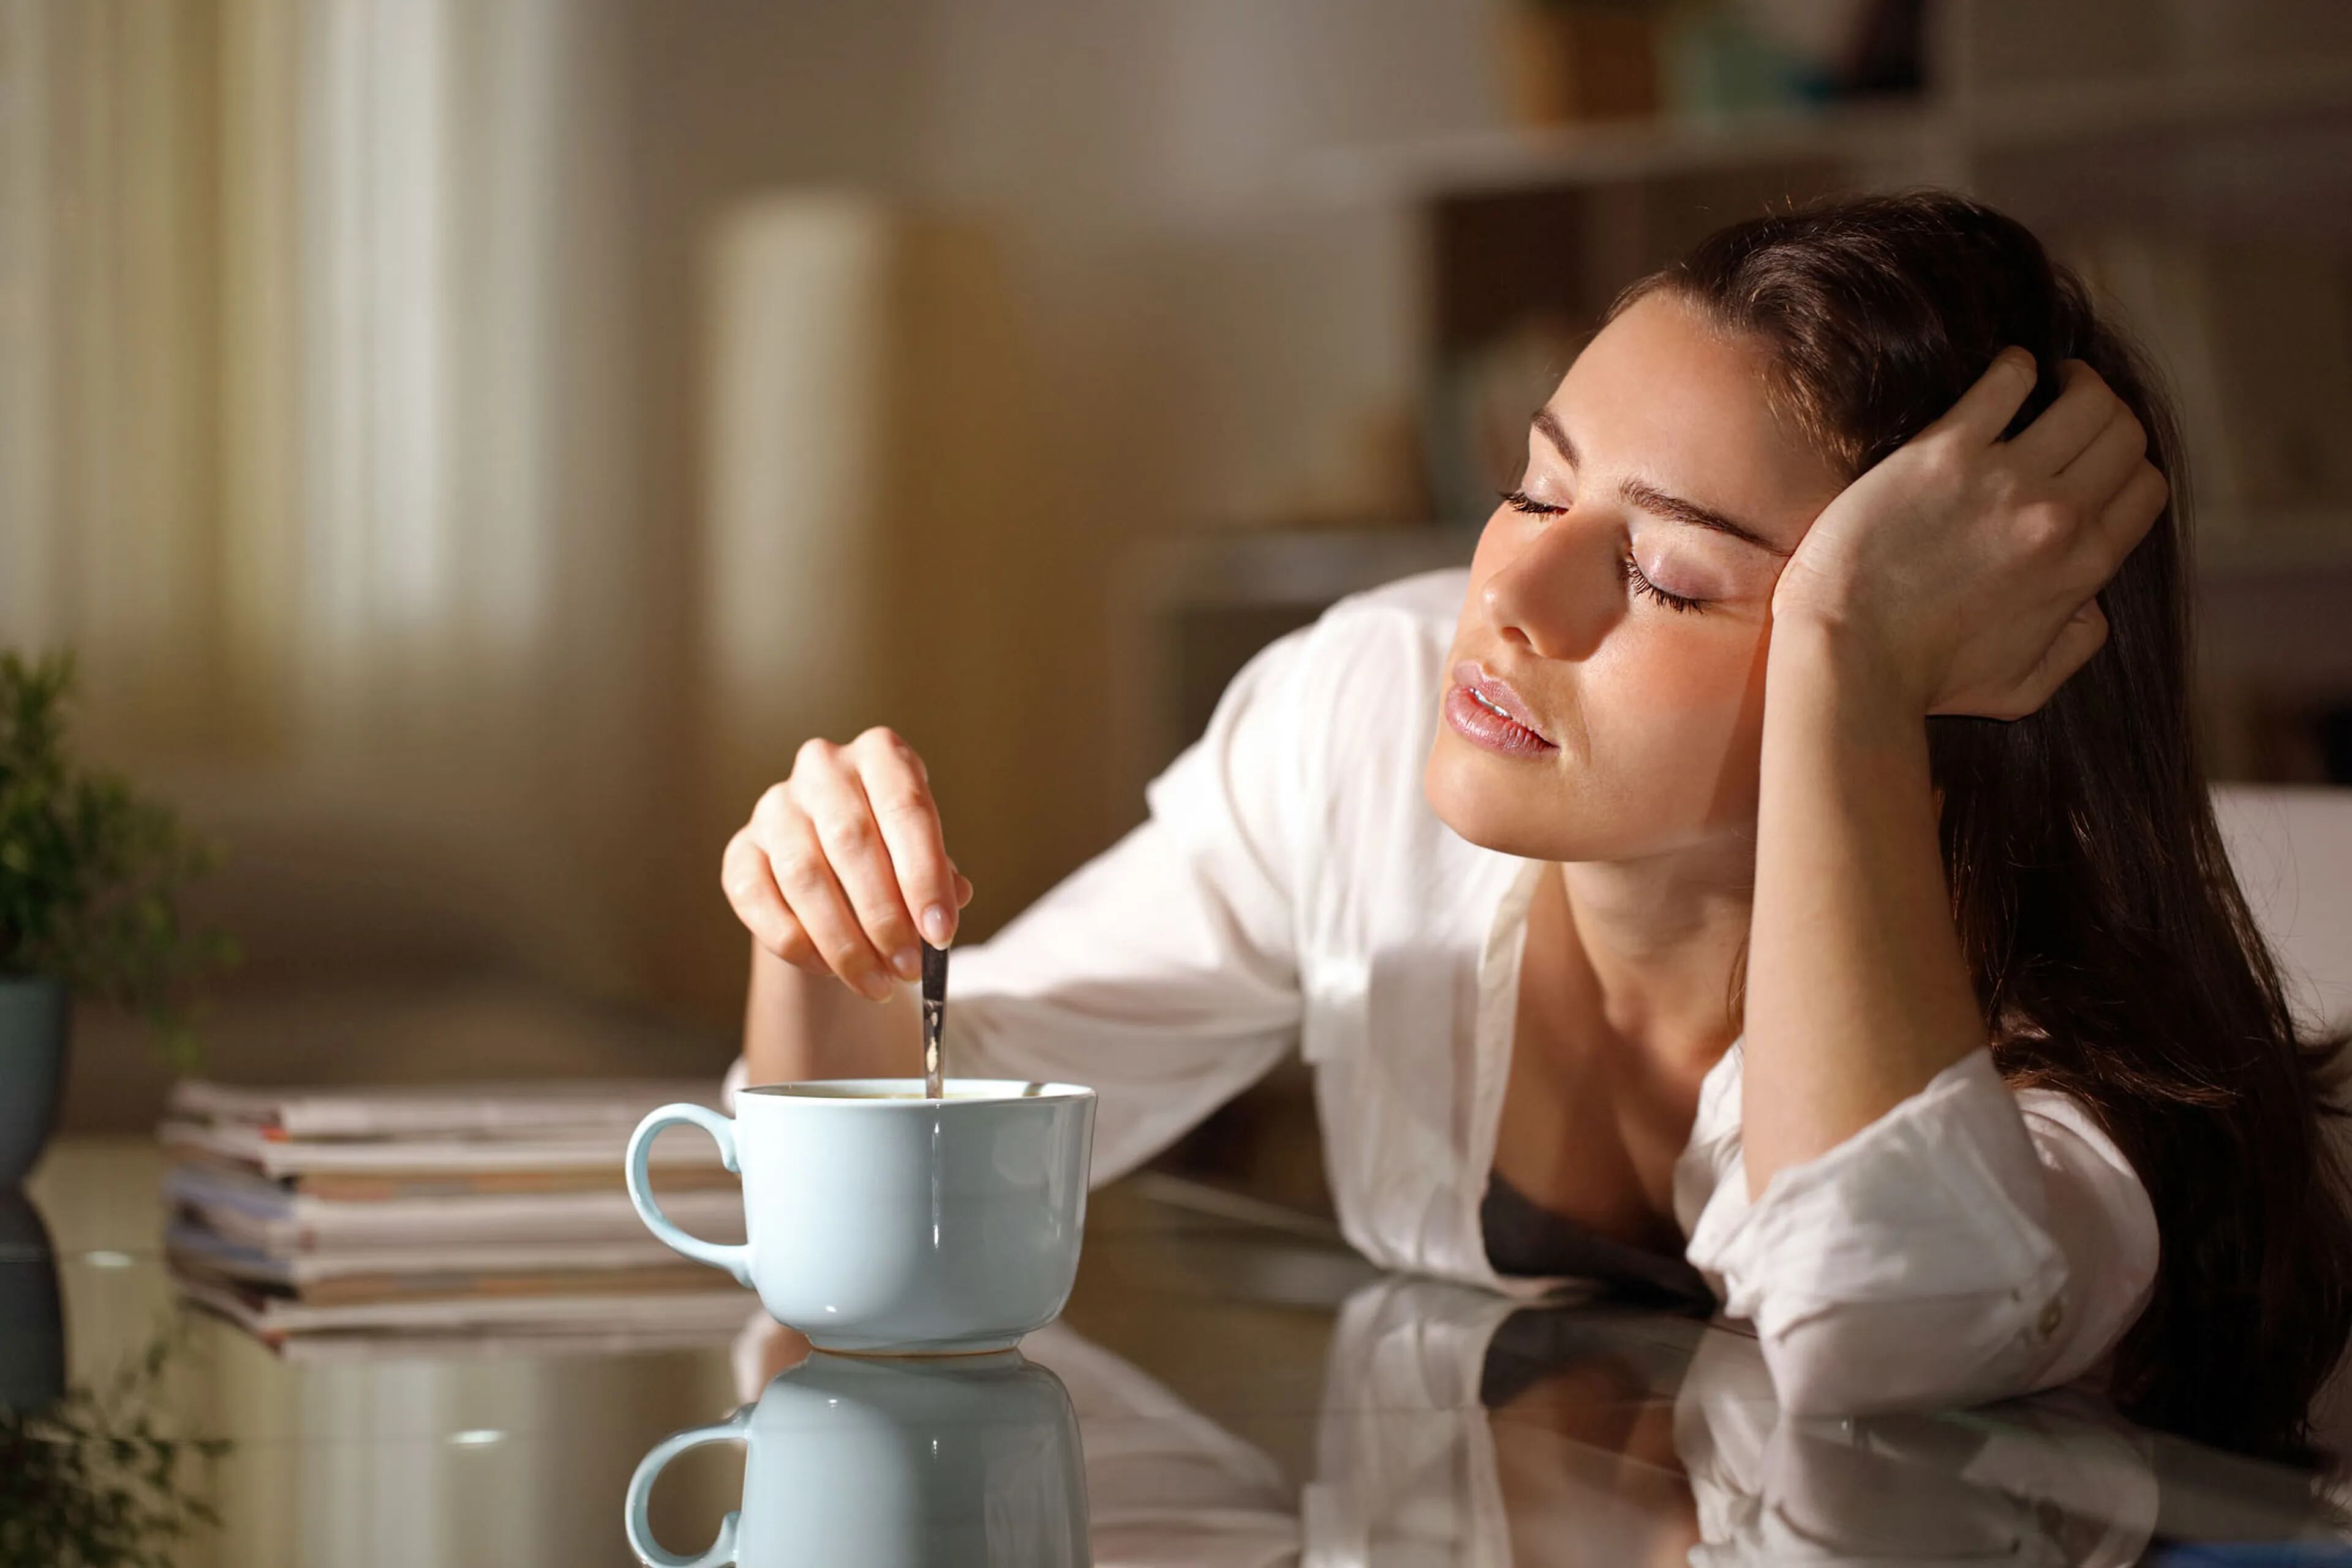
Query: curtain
(314, 440)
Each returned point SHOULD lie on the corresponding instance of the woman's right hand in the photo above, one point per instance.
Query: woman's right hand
(843, 864)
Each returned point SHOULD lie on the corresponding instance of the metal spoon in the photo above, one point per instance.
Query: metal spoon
(935, 1018)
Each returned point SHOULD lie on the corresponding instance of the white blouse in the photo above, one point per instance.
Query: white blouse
(1292, 887)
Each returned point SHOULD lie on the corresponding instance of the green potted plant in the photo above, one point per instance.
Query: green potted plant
(90, 875)
(96, 1478)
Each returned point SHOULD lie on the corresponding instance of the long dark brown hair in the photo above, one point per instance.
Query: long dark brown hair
(2113, 950)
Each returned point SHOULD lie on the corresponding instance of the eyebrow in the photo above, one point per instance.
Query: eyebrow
(1652, 500)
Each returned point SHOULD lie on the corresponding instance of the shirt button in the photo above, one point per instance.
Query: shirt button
(2052, 1316)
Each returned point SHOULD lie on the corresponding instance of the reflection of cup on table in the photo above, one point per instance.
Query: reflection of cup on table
(883, 1222)
(853, 1461)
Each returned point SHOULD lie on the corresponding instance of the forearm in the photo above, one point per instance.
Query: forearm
(1857, 992)
(798, 1026)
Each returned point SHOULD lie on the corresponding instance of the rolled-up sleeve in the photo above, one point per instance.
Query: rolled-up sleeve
(1162, 973)
(1972, 1244)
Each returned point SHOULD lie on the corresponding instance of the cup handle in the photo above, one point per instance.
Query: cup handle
(735, 1260)
(641, 1491)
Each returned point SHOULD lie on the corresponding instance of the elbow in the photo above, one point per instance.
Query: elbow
(1813, 1375)
(1870, 1358)
(1824, 1367)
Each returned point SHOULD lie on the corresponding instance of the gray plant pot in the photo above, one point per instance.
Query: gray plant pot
(34, 1013)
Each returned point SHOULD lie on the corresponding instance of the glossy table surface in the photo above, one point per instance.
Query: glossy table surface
(1229, 1385)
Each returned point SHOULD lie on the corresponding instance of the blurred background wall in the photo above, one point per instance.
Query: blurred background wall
(472, 443)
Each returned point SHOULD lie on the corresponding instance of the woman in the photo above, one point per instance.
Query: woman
(1781, 863)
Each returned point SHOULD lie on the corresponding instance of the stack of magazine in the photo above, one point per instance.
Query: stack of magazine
(302, 1212)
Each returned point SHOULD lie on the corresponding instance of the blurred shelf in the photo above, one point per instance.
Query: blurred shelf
(2179, 100)
(1491, 162)
(1897, 133)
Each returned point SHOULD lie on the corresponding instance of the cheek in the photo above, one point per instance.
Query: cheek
(1677, 713)
(1672, 675)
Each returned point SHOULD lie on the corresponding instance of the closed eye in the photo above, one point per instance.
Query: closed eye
(1520, 501)
(1642, 585)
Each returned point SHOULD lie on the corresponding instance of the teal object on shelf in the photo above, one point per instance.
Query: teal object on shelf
(1715, 64)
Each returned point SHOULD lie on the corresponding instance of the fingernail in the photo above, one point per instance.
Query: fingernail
(874, 983)
(907, 963)
(936, 924)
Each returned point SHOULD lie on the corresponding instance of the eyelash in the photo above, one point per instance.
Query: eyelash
(1629, 569)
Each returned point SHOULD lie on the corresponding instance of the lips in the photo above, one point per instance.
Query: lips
(1496, 692)
(1482, 708)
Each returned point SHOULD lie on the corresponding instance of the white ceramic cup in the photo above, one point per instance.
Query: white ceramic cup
(881, 1222)
(854, 1462)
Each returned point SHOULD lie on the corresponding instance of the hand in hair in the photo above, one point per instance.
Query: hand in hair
(1964, 567)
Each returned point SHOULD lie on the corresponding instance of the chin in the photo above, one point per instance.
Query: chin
(1476, 795)
(1543, 814)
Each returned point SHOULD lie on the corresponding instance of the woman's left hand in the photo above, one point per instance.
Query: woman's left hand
(1963, 567)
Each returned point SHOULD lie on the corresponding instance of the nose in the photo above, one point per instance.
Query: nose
(1559, 592)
